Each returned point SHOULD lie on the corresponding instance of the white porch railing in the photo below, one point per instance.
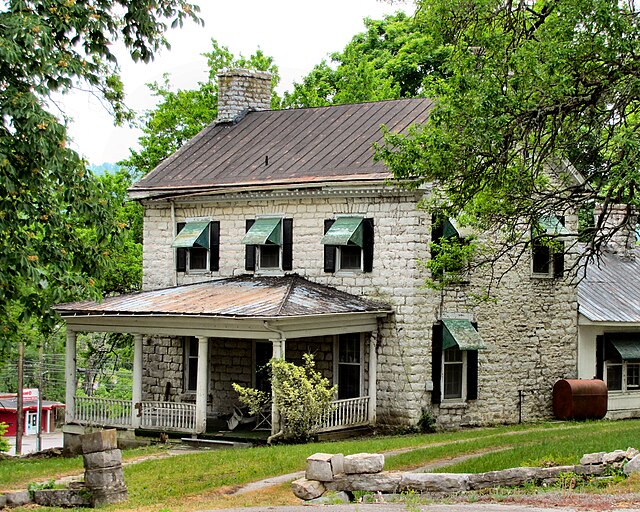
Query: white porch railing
(349, 412)
(174, 416)
(102, 411)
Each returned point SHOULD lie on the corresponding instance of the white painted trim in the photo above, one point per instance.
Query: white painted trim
(224, 327)
(136, 392)
(70, 375)
(203, 384)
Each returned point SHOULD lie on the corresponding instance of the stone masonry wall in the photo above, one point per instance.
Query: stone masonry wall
(163, 364)
(530, 327)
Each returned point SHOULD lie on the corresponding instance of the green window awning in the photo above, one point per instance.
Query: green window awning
(265, 231)
(551, 225)
(628, 348)
(344, 231)
(461, 333)
(193, 234)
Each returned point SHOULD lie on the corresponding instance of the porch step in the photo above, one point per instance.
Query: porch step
(215, 444)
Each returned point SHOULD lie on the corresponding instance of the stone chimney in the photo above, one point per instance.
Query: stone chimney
(242, 90)
(620, 227)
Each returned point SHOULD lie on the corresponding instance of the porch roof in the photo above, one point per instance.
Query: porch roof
(243, 296)
(244, 306)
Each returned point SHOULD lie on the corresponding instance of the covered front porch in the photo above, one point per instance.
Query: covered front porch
(191, 341)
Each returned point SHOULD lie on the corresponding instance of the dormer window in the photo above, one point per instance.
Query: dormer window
(348, 244)
(269, 244)
(197, 246)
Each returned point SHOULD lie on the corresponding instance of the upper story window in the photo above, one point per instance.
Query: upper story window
(348, 244)
(450, 251)
(547, 249)
(197, 246)
(269, 244)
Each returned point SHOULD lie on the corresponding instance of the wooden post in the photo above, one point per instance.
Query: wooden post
(70, 376)
(202, 385)
(20, 399)
(136, 391)
(373, 377)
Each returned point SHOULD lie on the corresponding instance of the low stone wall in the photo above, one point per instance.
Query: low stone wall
(365, 472)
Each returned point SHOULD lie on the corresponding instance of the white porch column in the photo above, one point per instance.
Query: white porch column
(373, 378)
(202, 384)
(70, 376)
(136, 391)
(278, 352)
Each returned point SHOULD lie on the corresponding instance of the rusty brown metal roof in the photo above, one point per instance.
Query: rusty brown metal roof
(324, 144)
(244, 296)
(610, 292)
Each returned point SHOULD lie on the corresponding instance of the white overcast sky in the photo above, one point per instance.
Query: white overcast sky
(296, 33)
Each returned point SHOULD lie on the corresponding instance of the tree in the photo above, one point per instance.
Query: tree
(389, 60)
(528, 87)
(181, 114)
(46, 195)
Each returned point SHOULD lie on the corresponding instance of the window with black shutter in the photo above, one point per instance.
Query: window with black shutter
(348, 244)
(268, 244)
(454, 352)
(197, 245)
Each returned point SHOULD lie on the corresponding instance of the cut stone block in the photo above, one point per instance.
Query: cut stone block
(101, 497)
(374, 482)
(363, 463)
(101, 441)
(104, 478)
(17, 498)
(62, 497)
(633, 466)
(613, 457)
(307, 489)
(331, 498)
(99, 460)
(434, 482)
(324, 466)
(592, 458)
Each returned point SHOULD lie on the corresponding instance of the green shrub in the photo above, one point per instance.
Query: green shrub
(302, 396)
(4, 443)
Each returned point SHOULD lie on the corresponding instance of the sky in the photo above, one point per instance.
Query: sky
(297, 34)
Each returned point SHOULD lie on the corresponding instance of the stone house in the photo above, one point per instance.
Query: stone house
(275, 233)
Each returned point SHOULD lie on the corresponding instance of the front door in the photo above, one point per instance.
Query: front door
(31, 423)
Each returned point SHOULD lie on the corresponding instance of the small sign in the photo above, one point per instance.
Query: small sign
(30, 393)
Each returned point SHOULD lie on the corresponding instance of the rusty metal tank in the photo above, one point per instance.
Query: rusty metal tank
(580, 399)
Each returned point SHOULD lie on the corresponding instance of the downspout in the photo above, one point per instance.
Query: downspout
(173, 231)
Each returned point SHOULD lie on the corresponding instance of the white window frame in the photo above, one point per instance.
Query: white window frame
(625, 374)
(348, 270)
(270, 270)
(188, 269)
(463, 387)
(339, 250)
(337, 363)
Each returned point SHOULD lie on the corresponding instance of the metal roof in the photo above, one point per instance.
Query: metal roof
(11, 404)
(294, 146)
(610, 292)
(244, 296)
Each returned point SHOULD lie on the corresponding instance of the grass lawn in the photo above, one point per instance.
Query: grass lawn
(205, 479)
